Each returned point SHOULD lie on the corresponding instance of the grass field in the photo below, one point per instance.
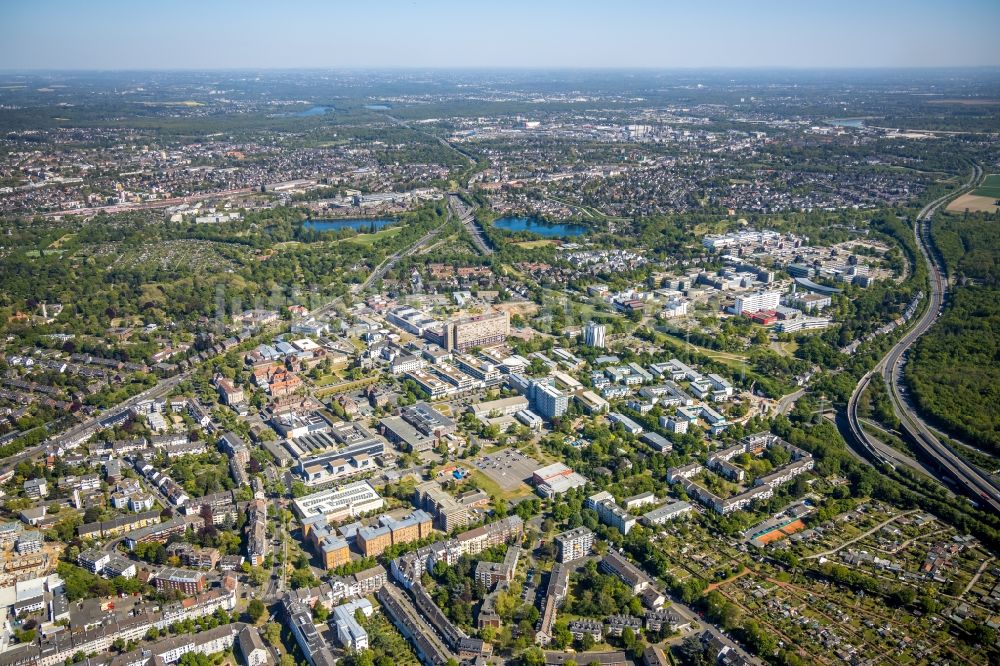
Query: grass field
(533, 244)
(367, 240)
(56, 244)
(327, 380)
(785, 348)
(733, 360)
(990, 187)
(344, 387)
(492, 488)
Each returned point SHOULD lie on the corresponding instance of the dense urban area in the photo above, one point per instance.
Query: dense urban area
(478, 368)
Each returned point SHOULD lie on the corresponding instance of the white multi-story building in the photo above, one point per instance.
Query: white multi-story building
(406, 363)
(669, 511)
(675, 307)
(409, 319)
(93, 560)
(574, 544)
(761, 300)
(351, 499)
(349, 632)
(593, 334)
(610, 512)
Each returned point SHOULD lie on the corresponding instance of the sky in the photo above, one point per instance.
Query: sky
(283, 34)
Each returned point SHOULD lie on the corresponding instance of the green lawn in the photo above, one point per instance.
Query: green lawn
(534, 244)
(990, 187)
(326, 380)
(368, 240)
(731, 359)
(493, 488)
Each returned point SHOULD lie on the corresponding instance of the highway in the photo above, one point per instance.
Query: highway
(976, 484)
(390, 261)
(457, 206)
(466, 216)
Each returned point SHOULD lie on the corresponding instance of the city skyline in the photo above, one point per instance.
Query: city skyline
(446, 34)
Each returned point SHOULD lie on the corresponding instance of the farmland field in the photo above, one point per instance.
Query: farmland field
(974, 204)
(990, 187)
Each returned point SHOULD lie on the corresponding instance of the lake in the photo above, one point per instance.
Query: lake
(358, 224)
(856, 123)
(540, 227)
(313, 111)
(378, 107)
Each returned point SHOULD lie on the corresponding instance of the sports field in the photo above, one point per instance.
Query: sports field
(782, 532)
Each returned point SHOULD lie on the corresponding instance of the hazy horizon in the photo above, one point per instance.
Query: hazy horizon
(497, 69)
(110, 35)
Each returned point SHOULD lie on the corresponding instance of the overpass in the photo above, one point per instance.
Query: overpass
(466, 215)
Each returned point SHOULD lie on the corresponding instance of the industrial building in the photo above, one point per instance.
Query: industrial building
(556, 479)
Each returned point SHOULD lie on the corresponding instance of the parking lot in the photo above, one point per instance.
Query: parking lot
(508, 467)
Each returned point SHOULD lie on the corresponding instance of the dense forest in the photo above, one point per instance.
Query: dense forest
(954, 371)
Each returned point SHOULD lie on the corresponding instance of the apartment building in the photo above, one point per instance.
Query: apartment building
(489, 574)
(747, 304)
(617, 565)
(464, 333)
(188, 582)
(555, 594)
(350, 633)
(610, 512)
(574, 544)
(594, 334)
(448, 512)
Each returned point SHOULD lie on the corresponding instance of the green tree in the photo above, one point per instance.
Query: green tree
(320, 613)
(256, 609)
(533, 656)
(272, 633)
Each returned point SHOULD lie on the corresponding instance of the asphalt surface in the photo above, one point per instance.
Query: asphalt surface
(976, 484)
(466, 216)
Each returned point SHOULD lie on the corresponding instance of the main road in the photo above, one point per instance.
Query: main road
(976, 484)
(466, 215)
